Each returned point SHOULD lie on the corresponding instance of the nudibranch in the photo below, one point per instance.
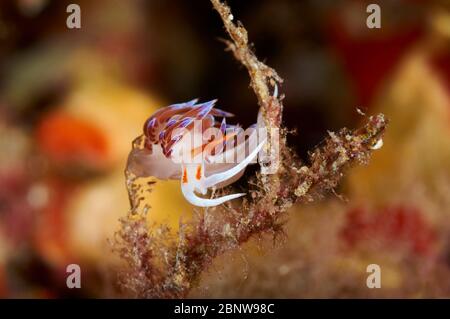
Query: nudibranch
(185, 141)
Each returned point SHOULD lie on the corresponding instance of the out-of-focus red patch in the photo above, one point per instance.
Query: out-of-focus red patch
(70, 140)
(3, 287)
(370, 57)
(391, 227)
(16, 215)
(441, 64)
(51, 227)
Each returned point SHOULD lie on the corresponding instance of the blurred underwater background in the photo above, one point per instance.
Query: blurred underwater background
(73, 100)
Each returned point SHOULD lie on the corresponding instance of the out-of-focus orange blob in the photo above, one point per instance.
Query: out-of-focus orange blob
(67, 139)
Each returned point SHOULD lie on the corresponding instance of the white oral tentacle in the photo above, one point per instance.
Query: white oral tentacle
(220, 177)
(192, 198)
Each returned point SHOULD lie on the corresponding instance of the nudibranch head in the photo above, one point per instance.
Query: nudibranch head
(185, 141)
